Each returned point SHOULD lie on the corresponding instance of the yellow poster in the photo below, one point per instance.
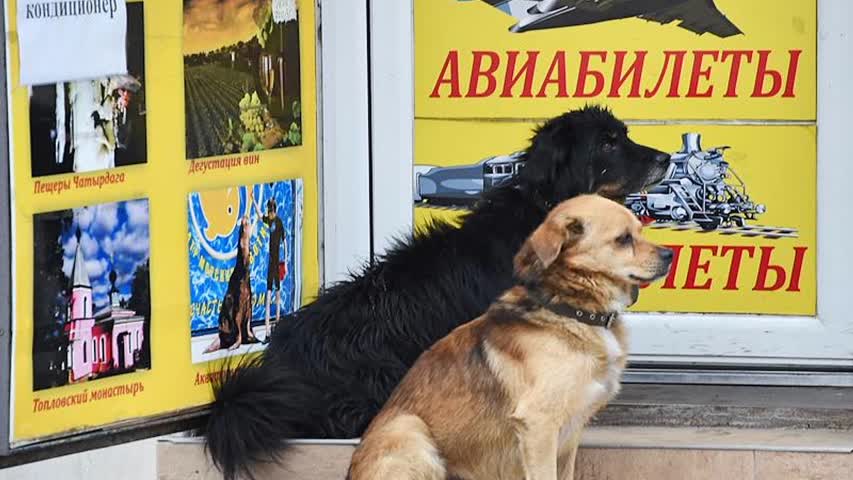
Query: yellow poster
(163, 219)
(727, 88)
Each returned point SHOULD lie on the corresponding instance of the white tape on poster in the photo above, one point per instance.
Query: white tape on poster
(66, 40)
(283, 10)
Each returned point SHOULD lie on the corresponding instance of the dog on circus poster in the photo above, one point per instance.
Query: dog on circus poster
(235, 313)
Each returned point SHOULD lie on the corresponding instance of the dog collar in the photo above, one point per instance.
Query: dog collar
(563, 309)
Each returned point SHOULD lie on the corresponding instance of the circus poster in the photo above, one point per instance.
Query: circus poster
(244, 265)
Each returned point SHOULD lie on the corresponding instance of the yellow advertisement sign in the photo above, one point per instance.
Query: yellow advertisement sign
(163, 219)
(674, 59)
(738, 204)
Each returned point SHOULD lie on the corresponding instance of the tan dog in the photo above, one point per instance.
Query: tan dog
(507, 395)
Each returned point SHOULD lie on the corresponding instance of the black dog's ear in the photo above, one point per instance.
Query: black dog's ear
(550, 165)
(544, 246)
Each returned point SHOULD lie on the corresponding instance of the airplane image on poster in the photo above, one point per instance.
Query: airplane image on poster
(697, 16)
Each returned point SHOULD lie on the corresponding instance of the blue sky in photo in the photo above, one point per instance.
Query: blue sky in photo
(113, 236)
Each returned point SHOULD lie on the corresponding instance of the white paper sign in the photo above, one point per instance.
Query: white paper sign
(65, 40)
(283, 10)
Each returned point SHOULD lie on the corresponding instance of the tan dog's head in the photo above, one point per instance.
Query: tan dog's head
(596, 241)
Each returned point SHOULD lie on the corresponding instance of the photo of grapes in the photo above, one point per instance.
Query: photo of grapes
(241, 76)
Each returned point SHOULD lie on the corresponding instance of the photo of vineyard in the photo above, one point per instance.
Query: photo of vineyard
(242, 89)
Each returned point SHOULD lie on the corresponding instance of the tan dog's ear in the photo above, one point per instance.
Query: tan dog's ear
(544, 246)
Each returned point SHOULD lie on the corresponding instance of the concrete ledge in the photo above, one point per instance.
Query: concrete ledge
(730, 406)
(607, 453)
(186, 461)
(771, 440)
(638, 405)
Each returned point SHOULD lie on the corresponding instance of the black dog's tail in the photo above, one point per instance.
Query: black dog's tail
(258, 405)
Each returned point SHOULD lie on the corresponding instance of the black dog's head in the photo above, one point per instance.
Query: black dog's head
(588, 151)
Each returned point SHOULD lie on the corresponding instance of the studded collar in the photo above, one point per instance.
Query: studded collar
(539, 300)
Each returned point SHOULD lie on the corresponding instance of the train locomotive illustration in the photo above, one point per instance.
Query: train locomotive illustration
(700, 187)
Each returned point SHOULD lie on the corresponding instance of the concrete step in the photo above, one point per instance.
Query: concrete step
(607, 453)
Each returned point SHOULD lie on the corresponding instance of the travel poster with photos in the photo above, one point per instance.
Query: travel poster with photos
(127, 217)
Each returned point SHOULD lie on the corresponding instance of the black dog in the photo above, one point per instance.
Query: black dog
(332, 364)
(235, 313)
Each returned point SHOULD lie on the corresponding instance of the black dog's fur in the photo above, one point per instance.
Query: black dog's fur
(332, 364)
